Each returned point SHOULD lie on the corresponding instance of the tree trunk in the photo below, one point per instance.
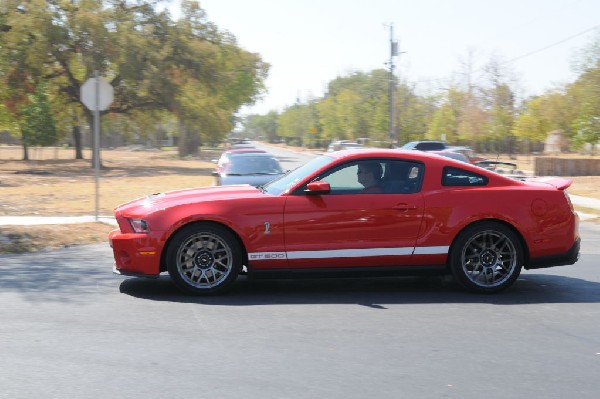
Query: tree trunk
(77, 142)
(188, 142)
(25, 152)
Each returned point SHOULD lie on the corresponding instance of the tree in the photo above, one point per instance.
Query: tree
(589, 56)
(295, 123)
(264, 126)
(38, 126)
(542, 115)
(499, 102)
(583, 97)
(587, 131)
(414, 114)
(446, 119)
(188, 66)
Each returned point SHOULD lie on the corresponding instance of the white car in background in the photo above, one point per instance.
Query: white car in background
(344, 145)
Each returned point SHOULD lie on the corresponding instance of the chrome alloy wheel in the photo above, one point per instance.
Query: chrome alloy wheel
(204, 260)
(489, 258)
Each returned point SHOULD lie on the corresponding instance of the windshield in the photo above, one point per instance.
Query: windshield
(286, 181)
(252, 165)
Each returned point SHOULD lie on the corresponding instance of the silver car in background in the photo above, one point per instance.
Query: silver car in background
(254, 168)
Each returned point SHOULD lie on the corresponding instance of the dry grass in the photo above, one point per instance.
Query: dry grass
(52, 183)
(20, 239)
(64, 186)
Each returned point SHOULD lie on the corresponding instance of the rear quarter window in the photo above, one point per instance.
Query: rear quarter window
(452, 176)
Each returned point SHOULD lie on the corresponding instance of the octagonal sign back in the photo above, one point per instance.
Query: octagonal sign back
(105, 94)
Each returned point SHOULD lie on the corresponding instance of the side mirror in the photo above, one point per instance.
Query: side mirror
(318, 187)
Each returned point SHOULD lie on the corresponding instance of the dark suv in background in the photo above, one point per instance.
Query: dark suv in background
(429, 145)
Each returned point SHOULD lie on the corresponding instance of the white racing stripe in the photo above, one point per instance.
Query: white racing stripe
(348, 253)
(432, 250)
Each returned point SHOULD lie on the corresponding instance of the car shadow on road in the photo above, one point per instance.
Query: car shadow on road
(373, 292)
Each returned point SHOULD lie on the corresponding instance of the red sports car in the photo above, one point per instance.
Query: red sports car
(362, 213)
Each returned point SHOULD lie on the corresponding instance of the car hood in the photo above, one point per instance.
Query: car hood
(156, 202)
(254, 180)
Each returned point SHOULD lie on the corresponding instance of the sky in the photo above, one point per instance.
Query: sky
(309, 43)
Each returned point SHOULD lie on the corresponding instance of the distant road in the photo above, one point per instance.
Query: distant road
(289, 159)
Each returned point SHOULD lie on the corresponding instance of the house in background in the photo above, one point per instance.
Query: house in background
(556, 143)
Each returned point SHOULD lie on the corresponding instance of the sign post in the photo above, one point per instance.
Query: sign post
(97, 95)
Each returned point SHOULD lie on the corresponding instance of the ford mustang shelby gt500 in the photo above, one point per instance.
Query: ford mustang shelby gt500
(369, 212)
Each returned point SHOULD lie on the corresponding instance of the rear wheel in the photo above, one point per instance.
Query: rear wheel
(203, 259)
(486, 257)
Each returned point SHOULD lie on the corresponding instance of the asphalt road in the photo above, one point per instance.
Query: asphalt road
(70, 329)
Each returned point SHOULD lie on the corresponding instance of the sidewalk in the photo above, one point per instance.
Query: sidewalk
(40, 220)
(584, 202)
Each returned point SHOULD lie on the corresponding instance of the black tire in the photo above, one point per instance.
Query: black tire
(486, 257)
(203, 259)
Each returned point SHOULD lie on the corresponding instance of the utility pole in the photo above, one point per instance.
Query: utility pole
(392, 84)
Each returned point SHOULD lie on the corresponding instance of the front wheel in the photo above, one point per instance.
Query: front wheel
(203, 259)
(486, 257)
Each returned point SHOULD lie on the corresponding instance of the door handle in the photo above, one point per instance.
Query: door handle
(404, 207)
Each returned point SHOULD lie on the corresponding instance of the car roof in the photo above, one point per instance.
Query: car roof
(351, 143)
(262, 154)
(244, 150)
(425, 145)
(451, 154)
(419, 156)
(458, 147)
(376, 152)
(256, 154)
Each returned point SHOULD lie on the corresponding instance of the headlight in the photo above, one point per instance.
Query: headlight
(139, 225)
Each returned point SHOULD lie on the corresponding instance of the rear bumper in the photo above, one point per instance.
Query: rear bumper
(567, 258)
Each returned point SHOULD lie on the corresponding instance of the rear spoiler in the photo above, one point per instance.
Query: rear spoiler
(557, 182)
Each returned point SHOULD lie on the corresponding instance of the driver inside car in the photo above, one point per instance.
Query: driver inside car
(369, 175)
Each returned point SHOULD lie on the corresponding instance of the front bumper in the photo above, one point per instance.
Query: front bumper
(131, 274)
(136, 254)
(567, 258)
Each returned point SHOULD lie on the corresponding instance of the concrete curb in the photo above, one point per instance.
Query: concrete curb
(49, 220)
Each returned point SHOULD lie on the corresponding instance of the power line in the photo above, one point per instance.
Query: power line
(539, 50)
(553, 44)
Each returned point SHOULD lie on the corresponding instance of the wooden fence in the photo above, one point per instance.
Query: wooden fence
(546, 166)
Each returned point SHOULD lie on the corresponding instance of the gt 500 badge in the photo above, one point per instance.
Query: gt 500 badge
(267, 255)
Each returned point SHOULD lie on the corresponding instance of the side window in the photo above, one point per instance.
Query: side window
(343, 180)
(358, 177)
(374, 176)
(458, 177)
(402, 177)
